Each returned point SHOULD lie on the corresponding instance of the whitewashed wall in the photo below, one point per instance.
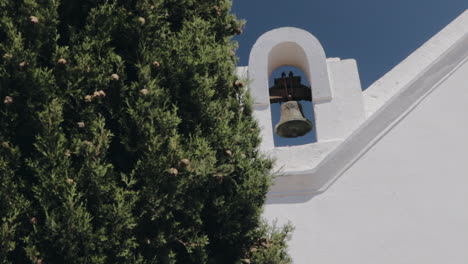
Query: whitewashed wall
(404, 201)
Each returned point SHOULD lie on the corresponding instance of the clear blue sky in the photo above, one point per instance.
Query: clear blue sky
(379, 34)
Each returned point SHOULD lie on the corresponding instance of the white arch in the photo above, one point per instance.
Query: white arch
(288, 46)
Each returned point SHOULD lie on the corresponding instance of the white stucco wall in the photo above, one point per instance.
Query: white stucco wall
(404, 201)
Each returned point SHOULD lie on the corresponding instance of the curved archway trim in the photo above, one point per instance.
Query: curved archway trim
(288, 46)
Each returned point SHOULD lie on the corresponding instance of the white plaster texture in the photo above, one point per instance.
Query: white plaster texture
(345, 112)
(403, 201)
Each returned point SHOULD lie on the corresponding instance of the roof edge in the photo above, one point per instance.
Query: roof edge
(416, 65)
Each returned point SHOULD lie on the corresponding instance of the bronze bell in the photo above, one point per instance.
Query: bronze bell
(292, 121)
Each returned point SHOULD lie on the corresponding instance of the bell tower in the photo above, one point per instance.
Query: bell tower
(335, 91)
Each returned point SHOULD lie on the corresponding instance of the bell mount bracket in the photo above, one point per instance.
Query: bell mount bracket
(289, 89)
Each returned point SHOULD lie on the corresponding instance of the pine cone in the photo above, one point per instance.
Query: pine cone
(228, 153)
(238, 84)
(62, 61)
(156, 64)
(185, 163)
(115, 77)
(70, 181)
(217, 10)
(81, 124)
(8, 100)
(33, 220)
(173, 171)
(34, 19)
(144, 91)
(7, 56)
(88, 98)
(142, 20)
(102, 93)
(23, 64)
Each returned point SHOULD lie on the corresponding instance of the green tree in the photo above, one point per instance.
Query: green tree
(126, 136)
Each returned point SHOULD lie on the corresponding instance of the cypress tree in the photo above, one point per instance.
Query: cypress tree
(126, 136)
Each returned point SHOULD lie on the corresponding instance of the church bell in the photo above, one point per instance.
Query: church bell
(289, 90)
(292, 121)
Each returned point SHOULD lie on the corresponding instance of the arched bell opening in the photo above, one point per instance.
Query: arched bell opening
(286, 114)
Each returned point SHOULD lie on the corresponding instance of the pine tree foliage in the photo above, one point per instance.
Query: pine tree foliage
(126, 136)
